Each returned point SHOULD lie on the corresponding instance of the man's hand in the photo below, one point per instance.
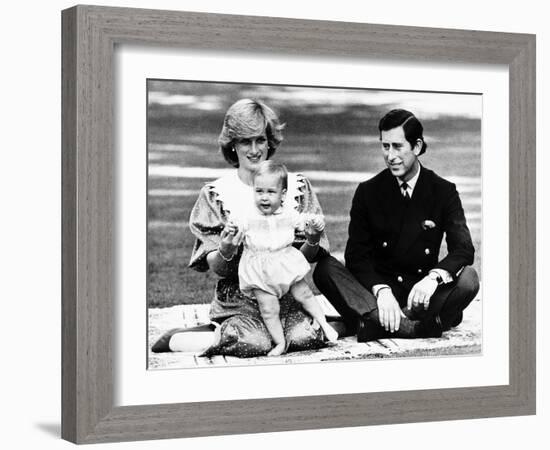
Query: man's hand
(389, 311)
(421, 293)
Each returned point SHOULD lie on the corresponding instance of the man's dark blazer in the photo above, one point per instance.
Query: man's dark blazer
(396, 242)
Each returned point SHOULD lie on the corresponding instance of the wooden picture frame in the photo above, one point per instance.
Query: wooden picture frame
(90, 34)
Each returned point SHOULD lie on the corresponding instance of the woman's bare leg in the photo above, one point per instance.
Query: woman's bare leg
(302, 293)
(269, 309)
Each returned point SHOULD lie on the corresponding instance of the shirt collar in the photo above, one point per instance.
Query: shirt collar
(411, 182)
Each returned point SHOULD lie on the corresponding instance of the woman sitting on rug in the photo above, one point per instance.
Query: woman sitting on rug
(250, 134)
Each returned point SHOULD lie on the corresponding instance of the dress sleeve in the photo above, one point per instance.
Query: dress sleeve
(309, 204)
(206, 223)
(298, 220)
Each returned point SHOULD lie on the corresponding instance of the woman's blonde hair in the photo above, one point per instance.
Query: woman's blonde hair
(246, 118)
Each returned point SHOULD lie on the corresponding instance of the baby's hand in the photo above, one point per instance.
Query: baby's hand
(314, 227)
(231, 238)
(231, 228)
(317, 222)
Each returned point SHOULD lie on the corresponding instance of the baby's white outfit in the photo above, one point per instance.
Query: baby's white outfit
(269, 261)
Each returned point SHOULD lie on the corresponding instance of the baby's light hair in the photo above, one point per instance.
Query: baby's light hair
(273, 168)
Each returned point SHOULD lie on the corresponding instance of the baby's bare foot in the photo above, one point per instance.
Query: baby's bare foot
(279, 349)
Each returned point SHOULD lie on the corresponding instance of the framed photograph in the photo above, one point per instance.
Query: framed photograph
(146, 96)
(331, 139)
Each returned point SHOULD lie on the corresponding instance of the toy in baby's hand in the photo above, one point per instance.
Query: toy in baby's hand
(231, 238)
(315, 222)
(231, 227)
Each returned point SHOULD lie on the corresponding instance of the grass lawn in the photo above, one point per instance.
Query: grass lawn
(171, 282)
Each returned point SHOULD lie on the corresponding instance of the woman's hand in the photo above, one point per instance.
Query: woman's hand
(231, 238)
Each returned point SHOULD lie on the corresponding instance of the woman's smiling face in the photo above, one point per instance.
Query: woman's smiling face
(251, 151)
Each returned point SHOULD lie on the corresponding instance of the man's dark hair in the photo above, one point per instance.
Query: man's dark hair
(412, 127)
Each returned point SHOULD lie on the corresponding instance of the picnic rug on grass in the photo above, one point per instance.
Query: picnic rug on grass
(462, 340)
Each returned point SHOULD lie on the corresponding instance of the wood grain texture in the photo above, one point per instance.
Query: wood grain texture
(89, 37)
(68, 224)
(522, 225)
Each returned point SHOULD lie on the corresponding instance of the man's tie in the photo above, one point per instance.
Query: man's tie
(405, 188)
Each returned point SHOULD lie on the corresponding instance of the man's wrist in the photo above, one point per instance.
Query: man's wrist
(435, 276)
(379, 288)
(444, 274)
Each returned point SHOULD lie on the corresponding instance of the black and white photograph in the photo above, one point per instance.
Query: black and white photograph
(301, 224)
(245, 225)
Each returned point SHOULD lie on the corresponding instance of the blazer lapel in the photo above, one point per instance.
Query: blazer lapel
(393, 204)
(415, 213)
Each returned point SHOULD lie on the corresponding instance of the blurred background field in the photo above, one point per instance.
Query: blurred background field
(331, 136)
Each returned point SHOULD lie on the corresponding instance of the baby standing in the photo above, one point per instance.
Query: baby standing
(270, 266)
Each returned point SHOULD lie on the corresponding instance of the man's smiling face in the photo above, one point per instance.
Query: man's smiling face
(400, 157)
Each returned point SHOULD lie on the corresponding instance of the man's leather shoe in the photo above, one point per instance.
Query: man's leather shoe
(430, 328)
(368, 330)
(457, 321)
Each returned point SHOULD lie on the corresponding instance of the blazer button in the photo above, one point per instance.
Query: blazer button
(400, 279)
(384, 244)
(427, 251)
(419, 270)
